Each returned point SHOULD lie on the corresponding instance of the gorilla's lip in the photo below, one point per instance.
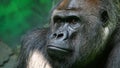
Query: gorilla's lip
(59, 49)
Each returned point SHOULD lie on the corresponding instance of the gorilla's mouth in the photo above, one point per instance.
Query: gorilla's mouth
(57, 52)
(59, 49)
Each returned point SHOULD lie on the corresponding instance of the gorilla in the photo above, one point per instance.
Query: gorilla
(81, 34)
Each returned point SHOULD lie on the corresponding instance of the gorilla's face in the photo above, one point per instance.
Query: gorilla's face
(78, 32)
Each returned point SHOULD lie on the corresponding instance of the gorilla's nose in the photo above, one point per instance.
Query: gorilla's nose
(60, 35)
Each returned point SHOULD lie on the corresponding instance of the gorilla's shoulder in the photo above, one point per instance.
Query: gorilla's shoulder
(33, 36)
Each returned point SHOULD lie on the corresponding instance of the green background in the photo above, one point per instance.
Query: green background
(19, 16)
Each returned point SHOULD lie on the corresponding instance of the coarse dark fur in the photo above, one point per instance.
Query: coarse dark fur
(90, 30)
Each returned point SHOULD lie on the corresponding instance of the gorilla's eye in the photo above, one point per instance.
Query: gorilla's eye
(104, 17)
(57, 19)
(72, 19)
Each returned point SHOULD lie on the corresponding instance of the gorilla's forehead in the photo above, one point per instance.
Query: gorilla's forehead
(73, 6)
(70, 4)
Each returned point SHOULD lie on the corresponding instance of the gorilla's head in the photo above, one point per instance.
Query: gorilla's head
(79, 30)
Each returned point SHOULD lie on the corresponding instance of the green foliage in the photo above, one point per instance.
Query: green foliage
(18, 16)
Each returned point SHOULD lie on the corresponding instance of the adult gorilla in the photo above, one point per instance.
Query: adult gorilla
(82, 33)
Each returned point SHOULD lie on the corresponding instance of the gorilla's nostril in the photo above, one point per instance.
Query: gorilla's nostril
(54, 35)
(60, 35)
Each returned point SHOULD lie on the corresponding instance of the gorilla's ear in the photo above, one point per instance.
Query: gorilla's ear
(104, 17)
